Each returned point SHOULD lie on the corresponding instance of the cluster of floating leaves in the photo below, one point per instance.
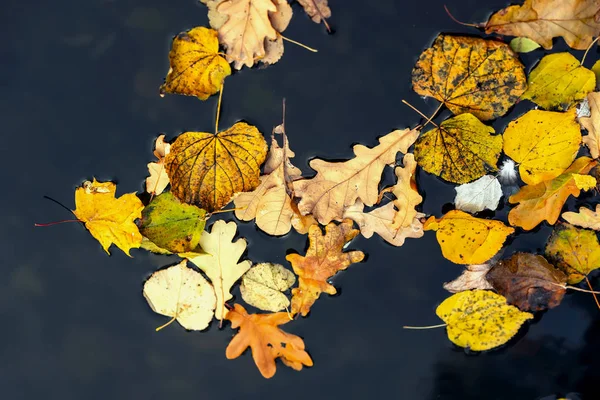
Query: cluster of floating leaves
(476, 79)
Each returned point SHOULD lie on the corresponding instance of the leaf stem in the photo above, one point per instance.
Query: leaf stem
(299, 44)
(219, 109)
(423, 115)
(424, 327)
(588, 49)
(167, 324)
(58, 222)
(457, 21)
(592, 289)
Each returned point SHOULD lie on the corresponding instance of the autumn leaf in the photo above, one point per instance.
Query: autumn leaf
(109, 219)
(220, 260)
(172, 225)
(460, 150)
(473, 277)
(406, 192)
(576, 251)
(544, 143)
(541, 20)
(544, 201)
(338, 185)
(181, 293)
(465, 239)
(261, 333)
(207, 169)
(480, 320)
(318, 10)
(263, 284)
(523, 45)
(592, 125)
(158, 179)
(476, 196)
(197, 69)
(323, 259)
(586, 218)
(558, 81)
(470, 75)
(528, 281)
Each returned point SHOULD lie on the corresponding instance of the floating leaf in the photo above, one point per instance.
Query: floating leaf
(109, 219)
(460, 150)
(476, 196)
(586, 218)
(158, 179)
(207, 169)
(523, 45)
(480, 320)
(263, 284)
(260, 332)
(465, 239)
(318, 10)
(197, 69)
(544, 201)
(470, 75)
(406, 192)
(181, 293)
(544, 143)
(592, 125)
(172, 225)
(528, 281)
(473, 277)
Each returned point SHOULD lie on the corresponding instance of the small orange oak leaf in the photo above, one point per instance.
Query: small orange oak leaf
(323, 259)
(261, 333)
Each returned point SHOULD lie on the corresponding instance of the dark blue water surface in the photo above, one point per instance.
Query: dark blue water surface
(79, 83)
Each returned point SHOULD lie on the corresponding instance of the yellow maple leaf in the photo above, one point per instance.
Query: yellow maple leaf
(197, 68)
(544, 200)
(544, 143)
(460, 150)
(592, 125)
(558, 81)
(480, 320)
(109, 219)
(470, 75)
(465, 239)
(158, 179)
(576, 251)
(585, 218)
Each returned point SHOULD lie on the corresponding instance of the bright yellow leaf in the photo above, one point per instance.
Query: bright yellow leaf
(544, 143)
(584, 182)
(592, 125)
(585, 218)
(465, 239)
(480, 320)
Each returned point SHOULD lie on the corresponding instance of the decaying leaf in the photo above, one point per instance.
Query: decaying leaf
(323, 259)
(541, 20)
(261, 333)
(109, 219)
(460, 150)
(476, 196)
(528, 281)
(465, 239)
(197, 69)
(592, 125)
(586, 218)
(576, 251)
(480, 320)
(544, 201)
(158, 179)
(220, 260)
(544, 143)
(171, 224)
(318, 10)
(263, 284)
(558, 81)
(181, 293)
(207, 169)
(470, 75)
(473, 277)
(523, 45)
(338, 185)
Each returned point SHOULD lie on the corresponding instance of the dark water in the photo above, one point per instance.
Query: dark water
(79, 84)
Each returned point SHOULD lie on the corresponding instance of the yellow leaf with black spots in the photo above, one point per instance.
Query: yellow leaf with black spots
(574, 250)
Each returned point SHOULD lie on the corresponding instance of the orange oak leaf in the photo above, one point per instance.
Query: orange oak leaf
(261, 333)
(323, 259)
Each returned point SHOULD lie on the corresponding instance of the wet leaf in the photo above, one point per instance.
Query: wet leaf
(263, 284)
(323, 259)
(465, 239)
(592, 125)
(473, 277)
(461, 150)
(544, 201)
(576, 251)
(172, 225)
(544, 143)
(406, 192)
(586, 218)
(470, 75)
(158, 179)
(197, 69)
(480, 320)
(338, 185)
(559, 81)
(261, 333)
(541, 20)
(528, 281)
(207, 169)
(476, 196)
(181, 293)
(318, 10)
(523, 45)
(109, 219)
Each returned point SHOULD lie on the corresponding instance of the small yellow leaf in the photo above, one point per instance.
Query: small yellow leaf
(592, 125)
(586, 218)
(465, 239)
(584, 182)
(480, 320)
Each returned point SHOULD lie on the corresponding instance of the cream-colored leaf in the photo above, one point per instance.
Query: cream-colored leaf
(585, 218)
(405, 190)
(263, 284)
(592, 125)
(473, 277)
(476, 196)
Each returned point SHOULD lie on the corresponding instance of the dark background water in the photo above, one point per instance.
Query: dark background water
(79, 84)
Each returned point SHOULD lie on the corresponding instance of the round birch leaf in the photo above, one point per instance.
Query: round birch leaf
(263, 284)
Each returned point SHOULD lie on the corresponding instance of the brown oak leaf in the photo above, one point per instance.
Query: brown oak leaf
(473, 277)
(318, 10)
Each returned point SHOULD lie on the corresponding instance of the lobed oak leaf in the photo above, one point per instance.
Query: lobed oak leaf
(586, 218)
(470, 75)
(318, 10)
(323, 259)
(108, 219)
(476, 196)
(592, 125)
(473, 277)
(263, 284)
(406, 192)
(261, 333)
(158, 179)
